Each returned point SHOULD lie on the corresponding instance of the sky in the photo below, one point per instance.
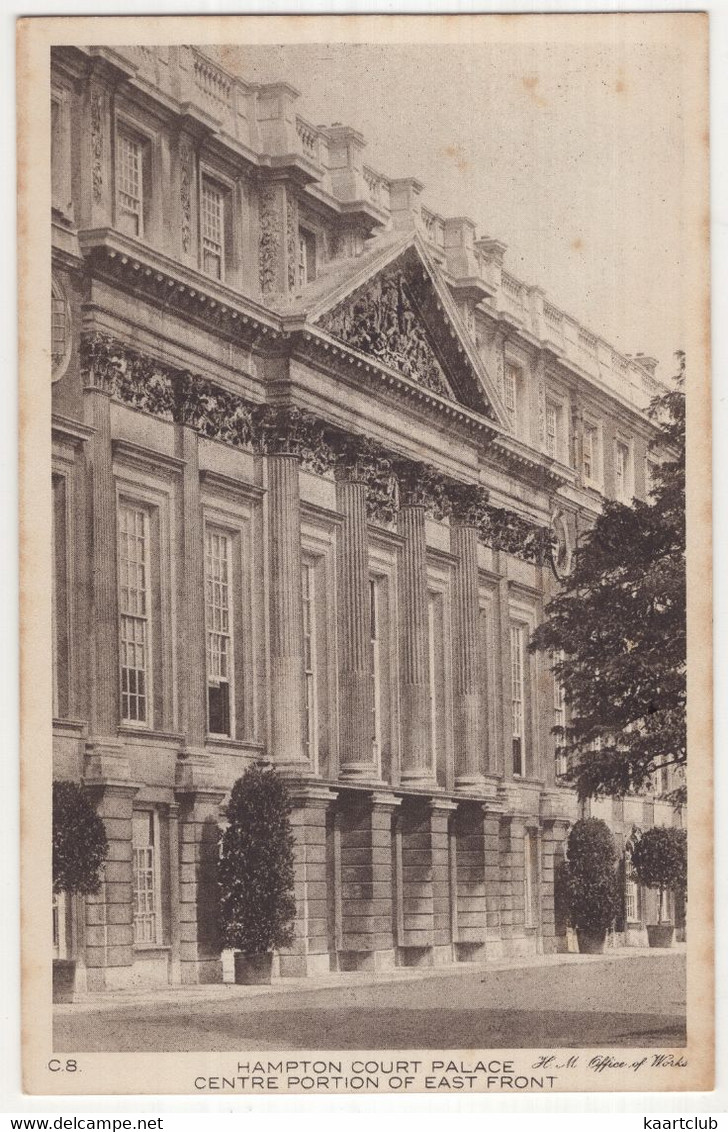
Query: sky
(572, 155)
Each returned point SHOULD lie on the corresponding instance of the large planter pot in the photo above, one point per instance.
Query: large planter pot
(591, 943)
(253, 970)
(64, 980)
(660, 935)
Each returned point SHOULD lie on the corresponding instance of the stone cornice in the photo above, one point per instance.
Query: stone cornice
(315, 342)
(188, 292)
(392, 480)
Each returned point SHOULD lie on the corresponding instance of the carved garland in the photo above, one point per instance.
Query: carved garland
(97, 144)
(269, 244)
(380, 319)
(185, 160)
(292, 241)
(218, 414)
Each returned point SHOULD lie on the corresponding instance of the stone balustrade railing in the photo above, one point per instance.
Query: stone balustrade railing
(260, 116)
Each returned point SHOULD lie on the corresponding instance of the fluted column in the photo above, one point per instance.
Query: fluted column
(468, 771)
(467, 502)
(418, 761)
(286, 621)
(356, 758)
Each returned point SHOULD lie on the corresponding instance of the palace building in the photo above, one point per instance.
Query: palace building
(319, 461)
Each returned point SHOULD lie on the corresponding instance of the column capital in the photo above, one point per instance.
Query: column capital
(467, 502)
(288, 431)
(421, 486)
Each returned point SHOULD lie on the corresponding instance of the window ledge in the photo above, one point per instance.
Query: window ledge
(235, 744)
(147, 733)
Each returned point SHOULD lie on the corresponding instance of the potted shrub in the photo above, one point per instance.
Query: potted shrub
(79, 851)
(257, 905)
(660, 860)
(591, 883)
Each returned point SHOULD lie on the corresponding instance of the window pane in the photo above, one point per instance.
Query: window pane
(133, 612)
(517, 691)
(129, 184)
(212, 228)
(144, 878)
(218, 618)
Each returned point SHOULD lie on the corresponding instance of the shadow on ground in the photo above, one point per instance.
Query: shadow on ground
(363, 1029)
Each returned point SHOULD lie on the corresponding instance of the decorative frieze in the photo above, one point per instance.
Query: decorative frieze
(135, 379)
(506, 531)
(213, 412)
(380, 319)
(218, 414)
(467, 503)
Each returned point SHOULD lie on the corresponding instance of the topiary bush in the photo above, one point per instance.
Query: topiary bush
(660, 860)
(80, 846)
(257, 905)
(591, 882)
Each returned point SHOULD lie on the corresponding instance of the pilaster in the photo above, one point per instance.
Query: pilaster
(553, 846)
(365, 881)
(104, 612)
(108, 930)
(193, 661)
(197, 822)
(423, 867)
(309, 953)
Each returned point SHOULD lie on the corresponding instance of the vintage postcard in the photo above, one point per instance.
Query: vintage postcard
(364, 380)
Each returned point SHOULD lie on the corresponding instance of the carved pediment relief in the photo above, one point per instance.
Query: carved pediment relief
(380, 319)
(403, 316)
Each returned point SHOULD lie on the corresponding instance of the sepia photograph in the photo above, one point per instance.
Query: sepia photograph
(357, 595)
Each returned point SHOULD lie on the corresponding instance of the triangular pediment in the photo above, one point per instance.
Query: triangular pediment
(399, 312)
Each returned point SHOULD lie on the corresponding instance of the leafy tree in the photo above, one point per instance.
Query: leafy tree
(590, 882)
(660, 860)
(617, 629)
(255, 875)
(80, 846)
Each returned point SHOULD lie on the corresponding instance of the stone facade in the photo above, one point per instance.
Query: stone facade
(316, 459)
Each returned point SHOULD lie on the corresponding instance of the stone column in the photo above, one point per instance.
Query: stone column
(286, 622)
(193, 666)
(309, 953)
(467, 501)
(418, 758)
(365, 881)
(504, 622)
(356, 753)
